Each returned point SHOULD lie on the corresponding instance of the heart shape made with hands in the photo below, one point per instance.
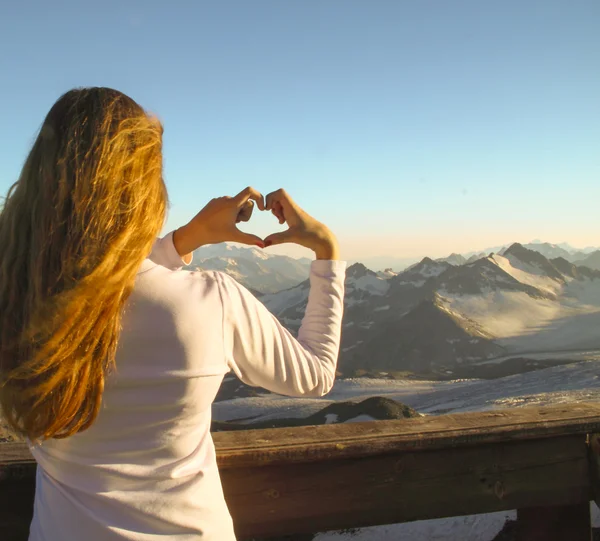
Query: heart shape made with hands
(217, 222)
(245, 213)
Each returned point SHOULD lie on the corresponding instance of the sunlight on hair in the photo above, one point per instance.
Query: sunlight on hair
(74, 230)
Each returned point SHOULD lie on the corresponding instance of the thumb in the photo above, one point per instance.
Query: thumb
(279, 238)
(247, 238)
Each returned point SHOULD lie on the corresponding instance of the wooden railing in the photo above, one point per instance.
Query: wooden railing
(541, 461)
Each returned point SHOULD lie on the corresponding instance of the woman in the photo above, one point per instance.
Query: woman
(110, 355)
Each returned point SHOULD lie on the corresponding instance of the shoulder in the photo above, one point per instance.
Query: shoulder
(157, 280)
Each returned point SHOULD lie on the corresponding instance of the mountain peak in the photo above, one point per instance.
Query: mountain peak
(533, 259)
(515, 247)
(454, 259)
(358, 269)
(423, 270)
(565, 267)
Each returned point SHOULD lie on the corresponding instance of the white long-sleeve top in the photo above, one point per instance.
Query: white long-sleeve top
(146, 469)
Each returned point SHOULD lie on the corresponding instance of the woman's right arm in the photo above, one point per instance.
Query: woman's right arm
(261, 352)
(258, 349)
(256, 346)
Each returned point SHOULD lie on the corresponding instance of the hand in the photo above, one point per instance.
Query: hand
(303, 228)
(216, 223)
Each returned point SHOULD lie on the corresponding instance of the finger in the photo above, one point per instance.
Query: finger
(275, 197)
(278, 209)
(247, 238)
(269, 200)
(280, 238)
(279, 216)
(282, 198)
(250, 193)
(246, 212)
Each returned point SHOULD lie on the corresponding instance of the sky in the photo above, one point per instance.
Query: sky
(410, 128)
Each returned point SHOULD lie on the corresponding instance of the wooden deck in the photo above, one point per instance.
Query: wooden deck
(541, 461)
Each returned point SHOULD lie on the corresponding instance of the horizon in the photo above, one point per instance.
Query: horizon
(404, 262)
(410, 129)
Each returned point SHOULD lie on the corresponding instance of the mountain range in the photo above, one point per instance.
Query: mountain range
(440, 318)
(549, 250)
(267, 273)
(452, 317)
(589, 257)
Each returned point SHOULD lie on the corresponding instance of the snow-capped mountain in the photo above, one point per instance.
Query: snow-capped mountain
(438, 318)
(547, 249)
(256, 269)
(422, 271)
(362, 286)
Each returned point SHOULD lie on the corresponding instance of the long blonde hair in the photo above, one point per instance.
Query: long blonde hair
(74, 230)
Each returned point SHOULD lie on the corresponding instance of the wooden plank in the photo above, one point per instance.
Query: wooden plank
(303, 498)
(327, 442)
(16, 462)
(559, 523)
(317, 496)
(352, 440)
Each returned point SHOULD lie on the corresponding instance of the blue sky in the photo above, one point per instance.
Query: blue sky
(409, 127)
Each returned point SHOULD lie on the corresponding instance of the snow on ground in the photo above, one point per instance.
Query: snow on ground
(584, 292)
(468, 528)
(522, 323)
(567, 355)
(370, 283)
(528, 274)
(559, 384)
(505, 313)
(432, 269)
(568, 331)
